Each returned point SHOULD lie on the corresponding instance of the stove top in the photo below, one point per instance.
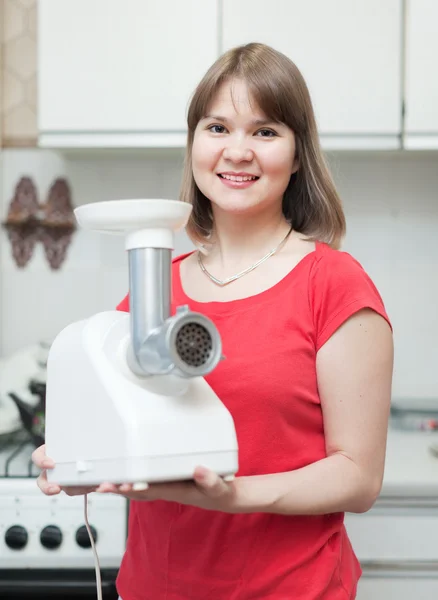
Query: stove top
(38, 531)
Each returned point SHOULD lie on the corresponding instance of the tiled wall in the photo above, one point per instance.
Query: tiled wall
(391, 203)
(18, 73)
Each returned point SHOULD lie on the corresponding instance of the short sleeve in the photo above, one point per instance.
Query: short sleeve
(338, 288)
(124, 304)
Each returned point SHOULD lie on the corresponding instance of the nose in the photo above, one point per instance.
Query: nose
(237, 150)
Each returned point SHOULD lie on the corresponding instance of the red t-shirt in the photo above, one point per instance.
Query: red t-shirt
(268, 383)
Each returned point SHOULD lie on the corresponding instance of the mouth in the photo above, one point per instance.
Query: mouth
(238, 178)
(239, 181)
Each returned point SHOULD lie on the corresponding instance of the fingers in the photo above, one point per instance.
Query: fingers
(108, 488)
(122, 488)
(131, 491)
(43, 462)
(78, 490)
(50, 489)
(173, 491)
(38, 455)
(40, 459)
(210, 483)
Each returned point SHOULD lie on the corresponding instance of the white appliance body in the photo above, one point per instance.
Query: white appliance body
(106, 424)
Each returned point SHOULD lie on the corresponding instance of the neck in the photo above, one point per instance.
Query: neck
(240, 240)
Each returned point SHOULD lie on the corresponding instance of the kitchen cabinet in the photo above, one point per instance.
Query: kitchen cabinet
(396, 586)
(350, 54)
(395, 541)
(421, 85)
(396, 546)
(119, 73)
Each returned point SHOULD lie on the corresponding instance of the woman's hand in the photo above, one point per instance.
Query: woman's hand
(207, 491)
(44, 463)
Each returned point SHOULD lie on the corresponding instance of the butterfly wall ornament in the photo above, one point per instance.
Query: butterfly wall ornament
(29, 222)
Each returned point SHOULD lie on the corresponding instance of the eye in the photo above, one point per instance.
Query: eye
(266, 133)
(216, 128)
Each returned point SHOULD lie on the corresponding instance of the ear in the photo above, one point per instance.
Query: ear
(295, 166)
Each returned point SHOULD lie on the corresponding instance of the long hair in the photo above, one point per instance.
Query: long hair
(310, 203)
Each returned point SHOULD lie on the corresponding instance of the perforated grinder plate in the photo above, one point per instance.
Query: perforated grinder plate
(194, 344)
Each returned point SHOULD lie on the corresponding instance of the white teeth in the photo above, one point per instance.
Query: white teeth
(238, 177)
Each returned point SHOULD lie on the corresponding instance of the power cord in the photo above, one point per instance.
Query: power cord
(93, 546)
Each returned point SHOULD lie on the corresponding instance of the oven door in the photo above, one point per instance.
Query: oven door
(36, 584)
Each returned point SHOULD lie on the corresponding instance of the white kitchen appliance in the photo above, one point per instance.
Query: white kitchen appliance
(126, 398)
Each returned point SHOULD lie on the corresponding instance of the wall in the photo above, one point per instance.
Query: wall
(18, 73)
(390, 200)
(392, 210)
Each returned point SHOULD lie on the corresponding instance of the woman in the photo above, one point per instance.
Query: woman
(309, 358)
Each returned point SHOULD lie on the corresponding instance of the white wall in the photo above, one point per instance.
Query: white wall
(391, 202)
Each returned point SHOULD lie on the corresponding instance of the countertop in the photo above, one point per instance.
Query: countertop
(411, 469)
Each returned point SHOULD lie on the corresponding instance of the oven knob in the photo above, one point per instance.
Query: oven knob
(51, 537)
(82, 537)
(16, 537)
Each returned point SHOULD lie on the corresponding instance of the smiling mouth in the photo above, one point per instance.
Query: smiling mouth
(238, 177)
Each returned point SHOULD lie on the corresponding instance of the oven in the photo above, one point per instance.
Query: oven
(44, 546)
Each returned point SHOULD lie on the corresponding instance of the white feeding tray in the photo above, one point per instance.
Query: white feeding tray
(124, 216)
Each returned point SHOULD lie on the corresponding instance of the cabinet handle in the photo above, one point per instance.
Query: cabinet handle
(408, 503)
(400, 565)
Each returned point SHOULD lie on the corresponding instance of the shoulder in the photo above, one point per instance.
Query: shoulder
(327, 257)
(339, 269)
(339, 287)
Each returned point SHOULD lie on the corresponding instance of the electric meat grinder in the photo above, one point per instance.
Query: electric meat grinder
(126, 398)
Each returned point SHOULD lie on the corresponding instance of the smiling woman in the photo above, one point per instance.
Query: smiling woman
(308, 369)
(241, 137)
(256, 102)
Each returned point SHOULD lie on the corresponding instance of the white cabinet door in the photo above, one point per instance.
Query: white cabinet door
(116, 71)
(395, 543)
(400, 586)
(349, 52)
(421, 95)
(393, 535)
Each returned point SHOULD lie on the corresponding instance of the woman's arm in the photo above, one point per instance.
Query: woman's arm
(354, 370)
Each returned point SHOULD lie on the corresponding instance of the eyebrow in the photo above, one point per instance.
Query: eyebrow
(255, 122)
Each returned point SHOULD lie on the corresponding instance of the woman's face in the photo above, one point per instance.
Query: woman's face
(241, 161)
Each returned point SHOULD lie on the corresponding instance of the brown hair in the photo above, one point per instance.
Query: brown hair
(310, 203)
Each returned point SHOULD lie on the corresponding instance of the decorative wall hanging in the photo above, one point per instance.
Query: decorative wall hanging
(29, 222)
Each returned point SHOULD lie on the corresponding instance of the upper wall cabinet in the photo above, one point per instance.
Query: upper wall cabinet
(119, 73)
(349, 52)
(421, 87)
